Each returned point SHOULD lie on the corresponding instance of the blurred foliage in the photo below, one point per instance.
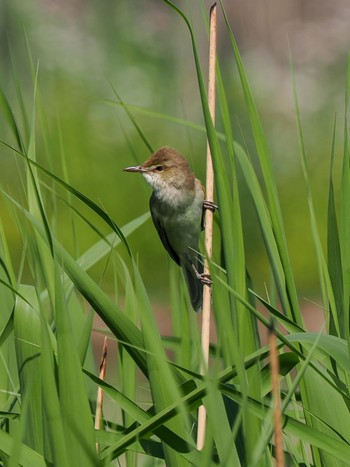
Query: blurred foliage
(142, 49)
(64, 66)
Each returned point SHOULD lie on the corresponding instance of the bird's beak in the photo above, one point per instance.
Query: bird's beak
(136, 168)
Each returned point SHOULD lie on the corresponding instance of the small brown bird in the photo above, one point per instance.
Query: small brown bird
(177, 205)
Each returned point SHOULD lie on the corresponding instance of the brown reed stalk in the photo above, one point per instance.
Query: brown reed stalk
(206, 312)
(100, 393)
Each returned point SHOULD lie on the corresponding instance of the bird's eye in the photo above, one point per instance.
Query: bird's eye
(159, 168)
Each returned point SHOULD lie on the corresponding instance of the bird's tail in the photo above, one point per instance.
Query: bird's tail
(194, 285)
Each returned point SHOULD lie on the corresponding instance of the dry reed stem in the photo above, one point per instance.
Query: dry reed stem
(100, 393)
(202, 415)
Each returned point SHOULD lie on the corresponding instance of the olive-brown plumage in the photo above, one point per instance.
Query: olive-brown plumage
(176, 207)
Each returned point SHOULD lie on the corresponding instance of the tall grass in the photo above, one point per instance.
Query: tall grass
(48, 376)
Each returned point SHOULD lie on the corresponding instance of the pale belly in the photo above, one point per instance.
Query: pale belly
(181, 218)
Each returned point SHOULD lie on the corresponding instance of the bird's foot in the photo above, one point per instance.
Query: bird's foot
(210, 205)
(203, 277)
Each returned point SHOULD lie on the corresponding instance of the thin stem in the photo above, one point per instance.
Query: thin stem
(100, 393)
(206, 312)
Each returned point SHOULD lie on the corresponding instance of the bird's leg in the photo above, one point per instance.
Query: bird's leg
(204, 278)
(210, 205)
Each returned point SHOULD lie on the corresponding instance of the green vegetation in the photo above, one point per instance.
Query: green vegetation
(67, 253)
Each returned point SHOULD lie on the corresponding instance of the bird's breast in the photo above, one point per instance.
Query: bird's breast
(180, 216)
(185, 206)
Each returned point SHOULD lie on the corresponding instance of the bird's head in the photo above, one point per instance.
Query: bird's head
(166, 168)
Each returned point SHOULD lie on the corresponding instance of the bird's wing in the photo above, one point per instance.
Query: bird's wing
(203, 210)
(194, 285)
(203, 219)
(162, 233)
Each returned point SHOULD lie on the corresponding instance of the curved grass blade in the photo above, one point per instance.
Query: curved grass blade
(337, 448)
(144, 446)
(284, 340)
(163, 383)
(91, 204)
(27, 333)
(132, 119)
(192, 400)
(269, 179)
(103, 246)
(325, 281)
(333, 252)
(9, 115)
(76, 414)
(268, 431)
(52, 414)
(333, 347)
(27, 456)
(344, 218)
(266, 226)
(114, 318)
(141, 416)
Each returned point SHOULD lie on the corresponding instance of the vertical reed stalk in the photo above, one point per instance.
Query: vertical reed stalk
(208, 224)
(276, 398)
(100, 393)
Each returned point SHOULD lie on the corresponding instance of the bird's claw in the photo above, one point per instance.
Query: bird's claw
(210, 205)
(205, 279)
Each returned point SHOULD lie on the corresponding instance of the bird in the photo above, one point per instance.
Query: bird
(177, 207)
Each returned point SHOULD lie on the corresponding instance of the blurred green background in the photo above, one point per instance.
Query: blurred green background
(142, 49)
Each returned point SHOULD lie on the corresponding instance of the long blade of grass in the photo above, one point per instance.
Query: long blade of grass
(103, 247)
(27, 331)
(163, 385)
(8, 287)
(118, 323)
(326, 286)
(141, 416)
(334, 253)
(52, 416)
(267, 433)
(328, 443)
(266, 227)
(269, 179)
(27, 457)
(344, 221)
(133, 120)
(127, 367)
(84, 199)
(9, 115)
(76, 414)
